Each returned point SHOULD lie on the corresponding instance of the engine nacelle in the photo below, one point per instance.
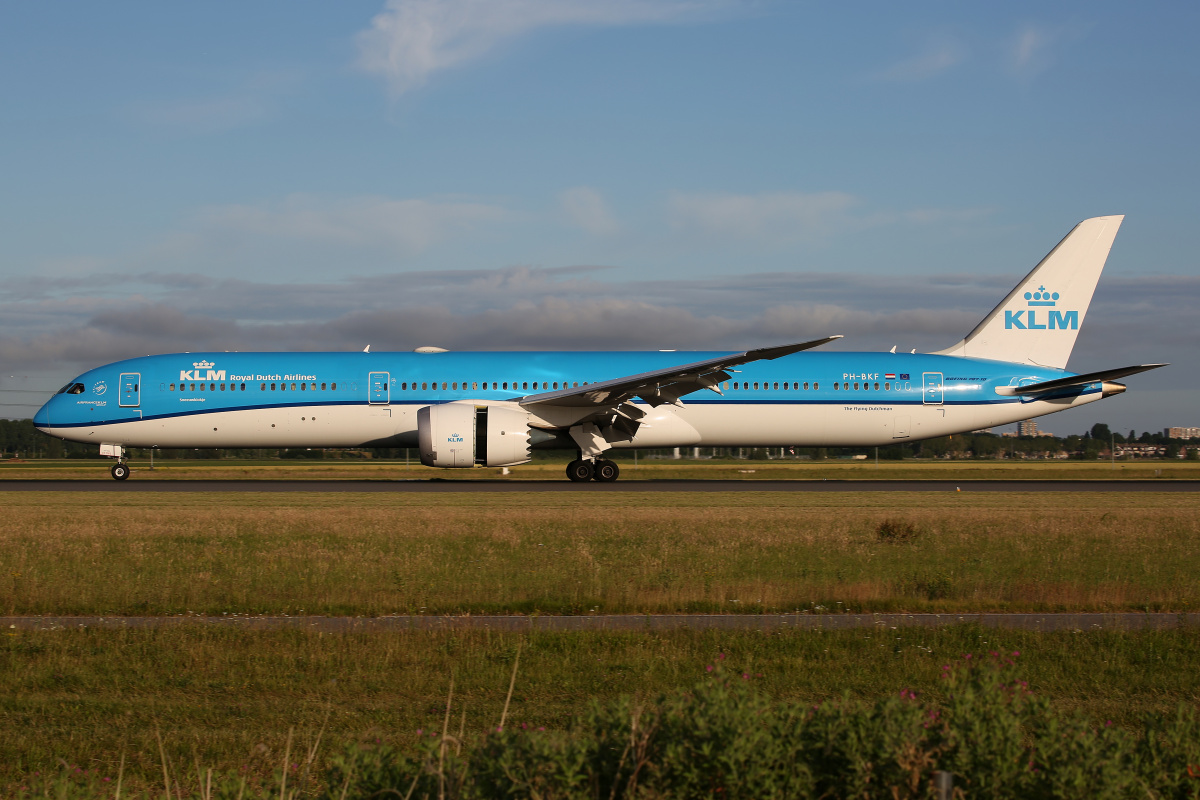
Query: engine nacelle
(464, 434)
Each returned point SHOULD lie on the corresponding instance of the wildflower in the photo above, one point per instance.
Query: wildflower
(720, 656)
(1016, 653)
(420, 731)
(709, 668)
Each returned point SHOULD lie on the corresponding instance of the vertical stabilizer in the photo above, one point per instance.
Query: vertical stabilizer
(1039, 320)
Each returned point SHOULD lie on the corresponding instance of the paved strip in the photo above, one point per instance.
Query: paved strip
(627, 622)
(443, 485)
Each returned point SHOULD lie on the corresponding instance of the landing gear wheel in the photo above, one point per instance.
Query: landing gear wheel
(580, 471)
(606, 471)
(120, 471)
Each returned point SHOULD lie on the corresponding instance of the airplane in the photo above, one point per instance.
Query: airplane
(471, 409)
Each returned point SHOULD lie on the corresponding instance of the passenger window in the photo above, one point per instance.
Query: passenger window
(887, 387)
(726, 387)
(816, 386)
(443, 386)
(474, 385)
(556, 384)
(272, 387)
(333, 386)
(806, 386)
(877, 387)
(202, 387)
(785, 386)
(263, 387)
(222, 387)
(525, 385)
(777, 386)
(856, 386)
(454, 386)
(243, 387)
(835, 387)
(424, 385)
(172, 387)
(506, 384)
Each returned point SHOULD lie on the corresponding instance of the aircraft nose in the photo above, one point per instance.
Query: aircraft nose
(41, 420)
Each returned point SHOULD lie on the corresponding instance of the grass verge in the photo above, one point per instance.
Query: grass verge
(378, 554)
(226, 699)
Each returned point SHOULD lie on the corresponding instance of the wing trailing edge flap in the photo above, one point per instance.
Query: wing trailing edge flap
(1077, 380)
(610, 399)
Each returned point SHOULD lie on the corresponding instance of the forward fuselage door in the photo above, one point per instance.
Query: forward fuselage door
(379, 389)
(131, 389)
(933, 389)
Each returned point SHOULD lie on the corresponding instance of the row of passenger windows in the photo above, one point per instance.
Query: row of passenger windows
(837, 386)
(524, 386)
(241, 387)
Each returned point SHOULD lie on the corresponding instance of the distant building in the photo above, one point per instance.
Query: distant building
(1134, 450)
(1182, 433)
(1027, 427)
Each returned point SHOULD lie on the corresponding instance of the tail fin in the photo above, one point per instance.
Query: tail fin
(1038, 322)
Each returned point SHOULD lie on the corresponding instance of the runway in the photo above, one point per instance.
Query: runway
(628, 622)
(444, 485)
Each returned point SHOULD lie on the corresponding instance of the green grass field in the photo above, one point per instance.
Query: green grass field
(226, 699)
(832, 469)
(377, 554)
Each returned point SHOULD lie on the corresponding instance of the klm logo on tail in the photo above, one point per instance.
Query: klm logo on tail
(1027, 318)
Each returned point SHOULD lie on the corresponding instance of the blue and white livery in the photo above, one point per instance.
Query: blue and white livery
(490, 409)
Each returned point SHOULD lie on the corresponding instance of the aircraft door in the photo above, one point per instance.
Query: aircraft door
(131, 389)
(933, 389)
(379, 389)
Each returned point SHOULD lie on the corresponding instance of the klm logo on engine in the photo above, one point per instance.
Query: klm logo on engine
(1031, 319)
(199, 373)
(454, 438)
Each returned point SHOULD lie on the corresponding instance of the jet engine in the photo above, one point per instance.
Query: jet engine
(464, 434)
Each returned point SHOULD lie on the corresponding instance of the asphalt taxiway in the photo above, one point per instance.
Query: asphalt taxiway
(444, 485)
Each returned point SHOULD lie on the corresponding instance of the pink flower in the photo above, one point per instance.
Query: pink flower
(721, 656)
(709, 668)
(1016, 653)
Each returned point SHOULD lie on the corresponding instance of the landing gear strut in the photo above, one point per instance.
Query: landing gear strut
(120, 471)
(580, 471)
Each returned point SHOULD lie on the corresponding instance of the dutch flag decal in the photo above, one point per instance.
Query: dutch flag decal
(891, 376)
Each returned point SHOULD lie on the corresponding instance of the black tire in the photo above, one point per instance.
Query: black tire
(580, 471)
(120, 471)
(606, 471)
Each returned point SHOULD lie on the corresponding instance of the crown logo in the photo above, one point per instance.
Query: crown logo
(1041, 297)
(202, 364)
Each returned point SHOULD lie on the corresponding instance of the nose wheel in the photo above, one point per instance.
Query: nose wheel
(120, 471)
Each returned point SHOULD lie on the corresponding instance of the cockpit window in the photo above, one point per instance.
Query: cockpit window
(72, 388)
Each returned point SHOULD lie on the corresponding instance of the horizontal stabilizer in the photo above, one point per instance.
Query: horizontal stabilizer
(1078, 380)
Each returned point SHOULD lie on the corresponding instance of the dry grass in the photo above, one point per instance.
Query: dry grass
(377, 554)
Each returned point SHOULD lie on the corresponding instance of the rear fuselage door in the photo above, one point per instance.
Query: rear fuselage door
(933, 389)
(379, 389)
(131, 389)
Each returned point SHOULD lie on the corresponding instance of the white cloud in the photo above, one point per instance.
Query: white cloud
(586, 208)
(412, 39)
(935, 59)
(404, 226)
(769, 218)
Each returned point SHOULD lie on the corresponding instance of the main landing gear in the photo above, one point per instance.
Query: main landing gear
(603, 470)
(120, 471)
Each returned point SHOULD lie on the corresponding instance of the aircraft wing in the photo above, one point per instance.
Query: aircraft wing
(663, 385)
(1081, 380)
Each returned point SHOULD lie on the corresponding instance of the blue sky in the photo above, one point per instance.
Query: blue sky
(560, 173)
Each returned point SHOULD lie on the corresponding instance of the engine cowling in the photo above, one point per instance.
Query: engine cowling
(464, 434)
